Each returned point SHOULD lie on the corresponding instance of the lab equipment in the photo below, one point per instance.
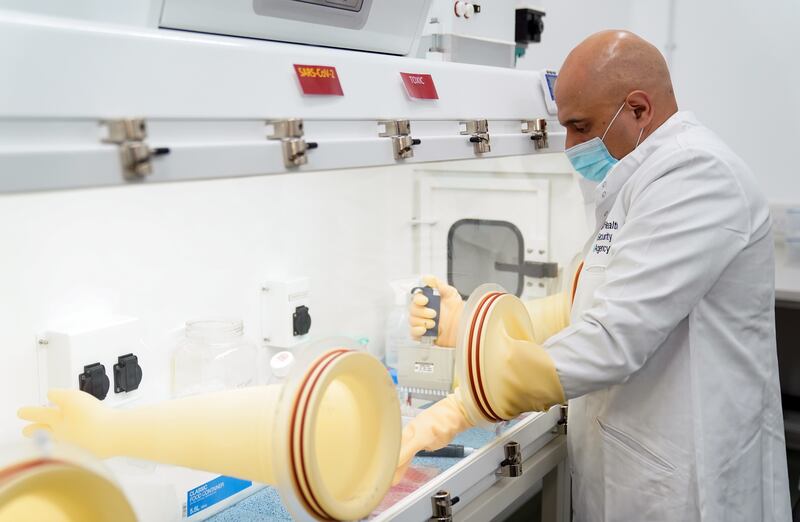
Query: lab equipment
(286, 312)
(366, 25)
(103, 356)
(482, 33)
(214, 355)
(397, 337)
(166, 118)
(501, 370)
(425, 370)
(448, 315)
(492, 251)
(45, 481)
(528, 27)
(328, 438)
(456, 451)
(216, 128)
(280, 365)
(434, 301)
(549, 77)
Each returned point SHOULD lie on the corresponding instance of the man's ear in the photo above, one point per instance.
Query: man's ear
(639, 101)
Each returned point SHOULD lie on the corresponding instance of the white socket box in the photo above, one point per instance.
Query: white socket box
(67, 350)
(285, 312)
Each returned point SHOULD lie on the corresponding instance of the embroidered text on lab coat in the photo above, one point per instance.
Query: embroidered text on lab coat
(602, 243)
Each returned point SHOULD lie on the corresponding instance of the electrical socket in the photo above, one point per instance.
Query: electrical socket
(285, 312)
(67, 351)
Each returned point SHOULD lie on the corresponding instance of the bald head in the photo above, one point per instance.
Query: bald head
(608, 70)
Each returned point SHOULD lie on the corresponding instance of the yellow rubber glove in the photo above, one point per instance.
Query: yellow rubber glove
(549, 315)
(229, 431)
(518, 374)
(523, 379)
(420, 318)
(432, 429)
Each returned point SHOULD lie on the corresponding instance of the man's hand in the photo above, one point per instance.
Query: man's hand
(421, 318)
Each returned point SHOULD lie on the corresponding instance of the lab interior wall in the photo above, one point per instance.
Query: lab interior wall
(567, 22)
(733, 63)
(751, 99)
(168, 253)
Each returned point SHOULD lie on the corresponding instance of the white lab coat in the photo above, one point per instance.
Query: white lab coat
(670, 362)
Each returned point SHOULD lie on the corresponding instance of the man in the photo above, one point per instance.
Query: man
(669, 362)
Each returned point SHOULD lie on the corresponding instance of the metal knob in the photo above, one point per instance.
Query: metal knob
(512, 465)
(538, 130)
(442, 507)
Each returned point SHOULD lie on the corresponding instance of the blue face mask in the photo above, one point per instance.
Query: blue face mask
(591, 158)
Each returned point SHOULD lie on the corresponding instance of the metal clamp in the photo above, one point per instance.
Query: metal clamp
(562, 421)
(128, 129)
(399, 131)
(130, 135)
(538, 130)
(479, 134)
(290, 133)
(288, 128)
(442, 507)
(512, 465)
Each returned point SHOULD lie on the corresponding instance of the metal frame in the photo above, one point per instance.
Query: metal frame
(210, 126)
(483, 495)
(545, 471)
(79, 166)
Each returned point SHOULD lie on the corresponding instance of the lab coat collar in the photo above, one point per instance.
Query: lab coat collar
(607, 190)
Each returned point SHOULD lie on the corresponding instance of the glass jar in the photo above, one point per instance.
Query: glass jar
(214, 355)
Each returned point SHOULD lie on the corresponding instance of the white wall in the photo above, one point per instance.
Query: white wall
(567, 22)
(735, 64)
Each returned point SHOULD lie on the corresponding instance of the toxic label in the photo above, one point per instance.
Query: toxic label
(318, 80)
(214, 491)
(420, 86)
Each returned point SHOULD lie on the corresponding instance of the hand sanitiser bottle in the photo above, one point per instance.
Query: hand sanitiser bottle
(397, 330)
